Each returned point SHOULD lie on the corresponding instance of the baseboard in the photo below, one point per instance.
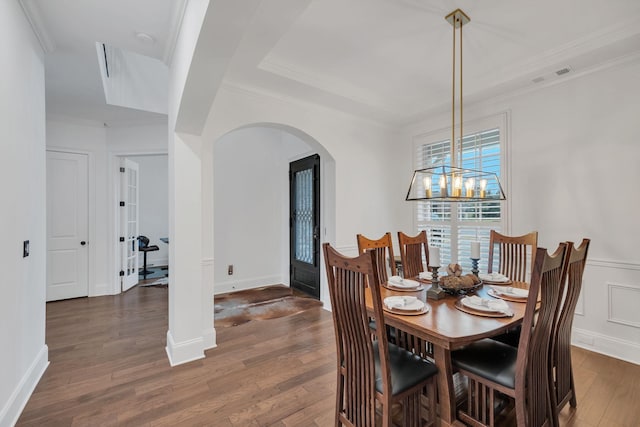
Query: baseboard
(11, 411)
(241, 285)
(184, 352)
(628, 351)
(100, 290)
(209, 338)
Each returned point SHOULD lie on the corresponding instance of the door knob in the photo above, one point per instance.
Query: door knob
(83, 243)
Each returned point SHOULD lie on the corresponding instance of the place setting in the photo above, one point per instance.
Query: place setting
(484, 306)
(397, 283)
(509, 293)
(405, 305)
(495, 279)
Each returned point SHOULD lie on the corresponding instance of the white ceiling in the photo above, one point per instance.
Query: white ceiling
(389, 60)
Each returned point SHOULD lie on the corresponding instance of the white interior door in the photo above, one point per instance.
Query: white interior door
(67, 225)
(129, 223)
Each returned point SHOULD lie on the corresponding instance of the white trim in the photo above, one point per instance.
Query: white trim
(610, 287)
(620, 265)
(185, 351)
(179, 6)
(209, 331)
(241, 285)
(34, 16)
(628, 351)
(13, 408)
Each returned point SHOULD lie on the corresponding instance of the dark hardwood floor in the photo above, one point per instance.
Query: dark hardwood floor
(109, 368)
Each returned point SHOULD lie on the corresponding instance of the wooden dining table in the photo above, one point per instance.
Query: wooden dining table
(448, 328)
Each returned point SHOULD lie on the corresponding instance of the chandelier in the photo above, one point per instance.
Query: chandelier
(455, 183)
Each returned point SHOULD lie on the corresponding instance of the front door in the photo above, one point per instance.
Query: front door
(129, 224)
(304, 225)
(67, 225)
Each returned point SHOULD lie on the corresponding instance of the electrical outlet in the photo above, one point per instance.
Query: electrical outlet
(230, 270)
(25, 249)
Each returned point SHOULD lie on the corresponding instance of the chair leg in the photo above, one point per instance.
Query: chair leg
(144, 266)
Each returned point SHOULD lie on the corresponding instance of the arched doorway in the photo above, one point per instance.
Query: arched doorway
(251, 204)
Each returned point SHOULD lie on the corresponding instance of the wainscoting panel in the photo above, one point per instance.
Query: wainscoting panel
(624, 301)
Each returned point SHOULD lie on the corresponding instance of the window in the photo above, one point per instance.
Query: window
(453, 226)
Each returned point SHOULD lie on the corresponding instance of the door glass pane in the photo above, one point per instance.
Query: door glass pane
(303, 216)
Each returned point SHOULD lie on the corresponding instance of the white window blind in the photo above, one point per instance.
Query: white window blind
(453, 226)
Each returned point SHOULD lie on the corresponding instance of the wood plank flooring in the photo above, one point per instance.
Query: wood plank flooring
(109, 368)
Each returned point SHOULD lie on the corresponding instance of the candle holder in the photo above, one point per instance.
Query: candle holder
(435, 291)
(474, 266)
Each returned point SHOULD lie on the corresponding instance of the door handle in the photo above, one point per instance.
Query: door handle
(83, 243)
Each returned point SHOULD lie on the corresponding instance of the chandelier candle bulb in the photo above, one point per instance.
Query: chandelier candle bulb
(427, 185)
(443, 186)
(483, 188)
(434, 256)
(469, 186)
(457, 186)
(475, 250)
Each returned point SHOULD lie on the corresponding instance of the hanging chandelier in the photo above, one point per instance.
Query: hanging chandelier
(454, 183)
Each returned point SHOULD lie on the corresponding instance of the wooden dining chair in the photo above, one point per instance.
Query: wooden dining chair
(372, 372)
(520, 373)
(561, 372)
(516, 254)
(383, 250)
(414, 251)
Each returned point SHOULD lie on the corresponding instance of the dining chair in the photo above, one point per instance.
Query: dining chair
(561, 371)
(383, 250)
(414, 251)
(516, 254)
(521, 373)
(371, 371)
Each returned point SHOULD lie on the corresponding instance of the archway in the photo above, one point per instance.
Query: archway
(250, 204)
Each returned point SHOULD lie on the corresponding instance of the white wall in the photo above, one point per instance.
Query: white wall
(574, 157)
(24, 355)
(251, 194)
(153, 212)
(103, 145)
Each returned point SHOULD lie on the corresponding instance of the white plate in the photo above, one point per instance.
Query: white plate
(403, 303)
(468, 302)
(512, 292)
(494, 277)
(404, 284)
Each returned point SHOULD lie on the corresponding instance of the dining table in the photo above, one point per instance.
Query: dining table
(447, 327)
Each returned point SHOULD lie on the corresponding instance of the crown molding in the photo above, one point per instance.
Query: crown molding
(179, 7)
(34, 16)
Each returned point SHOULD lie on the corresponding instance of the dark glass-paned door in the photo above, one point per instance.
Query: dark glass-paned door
(304, 225)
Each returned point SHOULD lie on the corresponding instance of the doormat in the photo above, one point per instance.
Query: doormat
(269, 302)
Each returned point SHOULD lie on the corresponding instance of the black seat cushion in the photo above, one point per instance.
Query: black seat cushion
(150, 248)
(489, 359)
(407, 369)
(511, 337)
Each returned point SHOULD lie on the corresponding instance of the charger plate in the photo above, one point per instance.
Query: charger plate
(458, 304)
(424, 310)
(506, 297)
(393, 288)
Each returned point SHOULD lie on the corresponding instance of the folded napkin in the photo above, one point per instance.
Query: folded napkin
(403, 302)
(426, 275)
(399, 282)
(514, 292)
(493, 277)
(493, 305)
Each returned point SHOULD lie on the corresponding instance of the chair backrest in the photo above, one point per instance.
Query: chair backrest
(532, 382)
(412, 250)
(513, 261)
(143, 241)
(383, 250)
(348, 278)
(561, 343)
